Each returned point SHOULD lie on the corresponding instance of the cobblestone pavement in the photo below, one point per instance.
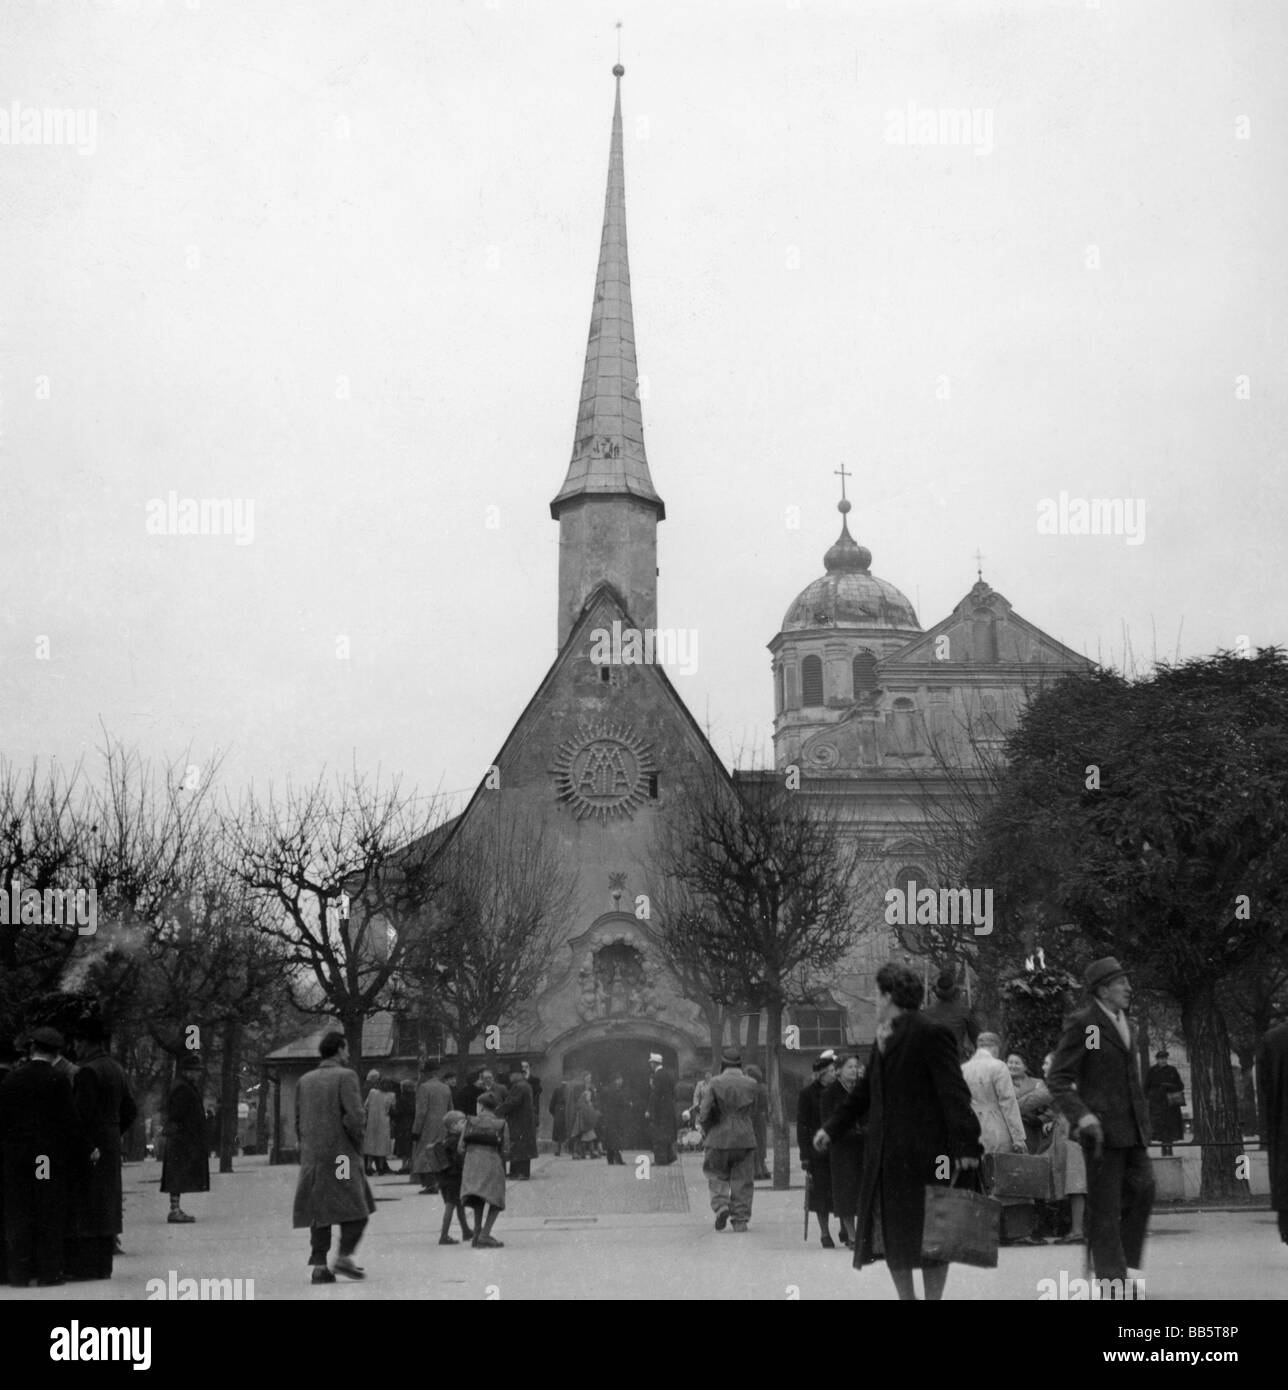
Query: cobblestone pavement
(580, 1229)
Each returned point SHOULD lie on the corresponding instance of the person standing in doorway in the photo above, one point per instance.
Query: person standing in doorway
(558, 1108)
(613, 1119)
(186, 1166)
(661, 1110)
(809, 1119)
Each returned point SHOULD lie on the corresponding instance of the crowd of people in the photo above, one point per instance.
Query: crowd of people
(62, 1124)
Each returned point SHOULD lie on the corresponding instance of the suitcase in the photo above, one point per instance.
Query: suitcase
(1019, 1218)
(1023, 1175)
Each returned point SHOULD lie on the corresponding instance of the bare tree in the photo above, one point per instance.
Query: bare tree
(343, 873)
(773, 892)
(484, 945)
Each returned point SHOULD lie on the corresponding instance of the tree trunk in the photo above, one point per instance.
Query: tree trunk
(353, 1036)
(715, 1031)
(777, 1120)
(261, 1113)
(229, 1092)
(463, 1058)
(753, 1040)
(1249, 1101)
(1216, 1106)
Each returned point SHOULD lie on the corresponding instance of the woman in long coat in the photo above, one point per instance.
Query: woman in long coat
(846, 1151)
(583, 1136)
(518, 1112)
(818, 1169)
(377, 1142)
(186, 1167)
(917, 1107)
(485, 1144)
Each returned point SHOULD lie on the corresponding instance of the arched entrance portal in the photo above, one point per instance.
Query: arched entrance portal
(627, 1058)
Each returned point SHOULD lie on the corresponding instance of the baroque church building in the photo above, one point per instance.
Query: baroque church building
(865, 701)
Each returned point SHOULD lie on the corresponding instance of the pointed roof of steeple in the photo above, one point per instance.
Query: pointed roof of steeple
(608, 447)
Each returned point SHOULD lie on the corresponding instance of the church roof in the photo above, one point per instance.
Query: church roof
(608, 456)
(849, 594)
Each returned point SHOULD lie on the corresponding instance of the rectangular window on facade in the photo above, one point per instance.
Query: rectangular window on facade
(820, 1027)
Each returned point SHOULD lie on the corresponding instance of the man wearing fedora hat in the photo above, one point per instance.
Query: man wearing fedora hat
(1095, 1082)
(729, 1138)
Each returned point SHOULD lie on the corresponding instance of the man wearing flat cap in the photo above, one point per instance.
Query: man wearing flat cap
(41, 1144)
(1095, 1082)
(729, 1138)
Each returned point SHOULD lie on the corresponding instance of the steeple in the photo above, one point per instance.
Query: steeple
(607, 508)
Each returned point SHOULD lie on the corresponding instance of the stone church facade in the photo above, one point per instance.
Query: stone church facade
(866, 705)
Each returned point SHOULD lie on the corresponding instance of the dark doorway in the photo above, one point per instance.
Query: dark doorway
(627, 1058)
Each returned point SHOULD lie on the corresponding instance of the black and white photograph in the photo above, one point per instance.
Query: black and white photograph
(644, 659)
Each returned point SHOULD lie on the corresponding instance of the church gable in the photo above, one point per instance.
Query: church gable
(984, 630)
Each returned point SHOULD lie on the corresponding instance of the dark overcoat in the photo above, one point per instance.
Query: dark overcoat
(661, 1108)
(845, 1155)
(1103, 1079)
(559, 1112)
(106, 1110)
(186, 1167)
(917, 1107)
(809, 1120)
(331, 1124)
(1166, 1123)
(614, 1110)
(1272, 1083)
(518, 1112)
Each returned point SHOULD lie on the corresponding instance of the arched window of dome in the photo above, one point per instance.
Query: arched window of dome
(812, 681)
(780, 686)
(864, 667)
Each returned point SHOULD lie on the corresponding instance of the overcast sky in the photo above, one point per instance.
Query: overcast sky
(335, 261)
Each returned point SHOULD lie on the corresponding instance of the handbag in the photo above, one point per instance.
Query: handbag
(961, 1225)
(1022, 1175)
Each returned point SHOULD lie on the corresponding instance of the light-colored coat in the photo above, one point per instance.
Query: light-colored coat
(378, 1141)
(433, 1101)
(992, 1098)
(732, 1096)
(330, 1123)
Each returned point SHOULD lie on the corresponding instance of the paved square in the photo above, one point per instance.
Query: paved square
(580, 1229)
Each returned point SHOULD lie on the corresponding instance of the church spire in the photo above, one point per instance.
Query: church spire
(608, 456)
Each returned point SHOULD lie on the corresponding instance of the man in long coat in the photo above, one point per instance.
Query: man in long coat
(41, 1145)
(1272, 1083)
(809, 1119)
(106, 1110)
(518, 1111)
(332, 1188)
(661, 1111)
(918, 1112)
(433, 1101)
(558, 1108)
(1095, 1083)
(186, 1167)
(1165, 1094)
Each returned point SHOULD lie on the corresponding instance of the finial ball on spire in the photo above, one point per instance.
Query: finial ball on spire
(843, 506)
(618, 70)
